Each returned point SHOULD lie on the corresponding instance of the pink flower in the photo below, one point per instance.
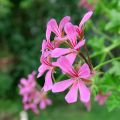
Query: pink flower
(28, 92)
(101, 98)
(44, 101)
(48, 66)
(39, 99)
(57, 29)
(71, 52)
(48, 46)
(26, 85)
(86, 4)
(77, 80)
(32, 97)
(31, 106)
(85, 18)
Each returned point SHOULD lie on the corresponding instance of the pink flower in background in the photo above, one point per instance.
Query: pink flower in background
(31, 106)
(42, 100)
(32, 96)
(77, 80)
(48, 66)
(39, 99)
(27, 85)
(101, 98)
(57, 29)
(86, 4)
(28, 91)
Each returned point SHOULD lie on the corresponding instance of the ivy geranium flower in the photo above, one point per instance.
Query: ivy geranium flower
(52, 26)
(77, 81)
(85, 18)
(74, 48)
(32, 97)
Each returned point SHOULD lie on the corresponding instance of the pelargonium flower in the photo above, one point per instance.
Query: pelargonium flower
(27, 85)
(85, 18)
(48, 66)
(42, 100)
(28, 91)
(57, 29)
(78, 79)
(72, 33)
(71, 52)
(32, 96)
(86, 4)
(48, 46)
(101, 98)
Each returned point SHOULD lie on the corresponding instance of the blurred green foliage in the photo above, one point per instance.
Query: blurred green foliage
(22, 28)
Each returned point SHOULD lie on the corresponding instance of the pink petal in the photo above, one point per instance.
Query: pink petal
(65, 65)
(85, 18)
(71, 57)
(56, 64)
(41, 70)
(62, 85)
(102, 98)
(61, 39)
(71, 96)
(88, 106)
(25, 90)
(48, 32)
(57, 52)
(23, 81)
(42, 104)
(65, 20)
(84, 71)
(46, 54)
(43, 46)
(84, 92)
(31, 77)
(71, 33)
(80, 44)
(54, 27)
(48, 81)
(34, 108)
(25, 98)
(48, 102)
(26, 106)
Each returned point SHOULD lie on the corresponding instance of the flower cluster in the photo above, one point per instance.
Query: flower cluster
(32, 96)
(54, 55)
(62, 51)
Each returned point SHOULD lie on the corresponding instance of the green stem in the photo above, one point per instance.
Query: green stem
(89, 60)
(97, 31)
(103, 58)
(82, 55)
(101, 33)
(53, 77)
(107, 62)
(111, 55)
(107, 49)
